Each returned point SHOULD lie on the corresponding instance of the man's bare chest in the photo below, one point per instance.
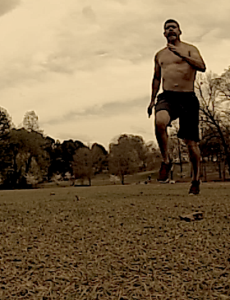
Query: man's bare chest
(168, 58)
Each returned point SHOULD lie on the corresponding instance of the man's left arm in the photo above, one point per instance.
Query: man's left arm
(191, 55)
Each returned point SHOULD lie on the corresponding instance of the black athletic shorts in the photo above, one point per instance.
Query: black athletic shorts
(182, 105)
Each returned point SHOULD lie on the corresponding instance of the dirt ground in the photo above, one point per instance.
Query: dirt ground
(115, 242)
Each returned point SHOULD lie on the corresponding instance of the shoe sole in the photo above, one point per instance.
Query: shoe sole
(192, 194)
(166, 181)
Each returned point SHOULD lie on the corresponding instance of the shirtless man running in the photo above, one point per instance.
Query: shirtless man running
(177, 65)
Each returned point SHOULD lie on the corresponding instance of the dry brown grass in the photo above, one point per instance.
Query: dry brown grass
(115, 242)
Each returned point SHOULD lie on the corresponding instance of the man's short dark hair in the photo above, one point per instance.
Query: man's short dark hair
(171, 21)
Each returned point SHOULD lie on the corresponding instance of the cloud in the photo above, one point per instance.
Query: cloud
(89, 13)
(18, 72)
(8, 5)
(102, 130)
(102, 111)
(85, 67)
(92, 35)
(96, 32)
(140, 130)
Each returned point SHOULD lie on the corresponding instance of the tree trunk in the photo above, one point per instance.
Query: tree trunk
(122, 179)
(228, 162)
(205, 173)
(224, 171)
(171, 172)
(15, 174)
(28, 163)
(201, 168)
(179, 152)
(220, 175)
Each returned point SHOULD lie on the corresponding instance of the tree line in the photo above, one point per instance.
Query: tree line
(29, 157)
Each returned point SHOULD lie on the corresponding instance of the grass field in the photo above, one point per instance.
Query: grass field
(115, 242)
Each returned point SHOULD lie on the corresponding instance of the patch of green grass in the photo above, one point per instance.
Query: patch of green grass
(115, 242)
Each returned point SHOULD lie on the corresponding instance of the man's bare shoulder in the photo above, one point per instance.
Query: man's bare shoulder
(158, 54)
(189, 46)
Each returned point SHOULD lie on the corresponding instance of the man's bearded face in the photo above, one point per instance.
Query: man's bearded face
(172, 31)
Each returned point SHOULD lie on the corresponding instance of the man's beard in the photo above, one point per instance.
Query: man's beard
(172, 34)
(172, 37)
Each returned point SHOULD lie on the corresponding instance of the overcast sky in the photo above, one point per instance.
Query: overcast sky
(85, 66)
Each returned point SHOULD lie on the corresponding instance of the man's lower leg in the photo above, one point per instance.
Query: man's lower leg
(162, 139)
(161, 121)
(194, 153)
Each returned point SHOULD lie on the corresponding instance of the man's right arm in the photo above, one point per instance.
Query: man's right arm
(155, 84)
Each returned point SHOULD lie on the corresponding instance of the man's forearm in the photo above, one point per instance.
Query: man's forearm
(155, 88)
(195, 63)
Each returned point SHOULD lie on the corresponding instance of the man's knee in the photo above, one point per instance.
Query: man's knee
(191, 143)
(162, 120)
(193, 147)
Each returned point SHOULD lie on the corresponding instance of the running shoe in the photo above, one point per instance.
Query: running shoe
(195, 187)
(164, 172)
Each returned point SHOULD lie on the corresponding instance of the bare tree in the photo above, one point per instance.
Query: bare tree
(213, 94)
(30, 121)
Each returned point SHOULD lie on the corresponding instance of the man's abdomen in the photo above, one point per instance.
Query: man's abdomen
(178, 78)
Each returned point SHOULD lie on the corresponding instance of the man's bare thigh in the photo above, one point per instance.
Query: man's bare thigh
(162, 118)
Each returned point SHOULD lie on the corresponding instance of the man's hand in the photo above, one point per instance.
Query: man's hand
(150, 109)
(176, 50)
